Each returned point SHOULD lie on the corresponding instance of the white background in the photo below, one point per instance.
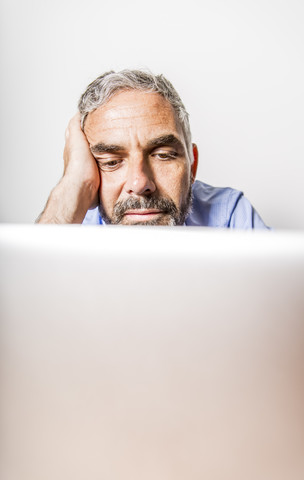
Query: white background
(237, 64)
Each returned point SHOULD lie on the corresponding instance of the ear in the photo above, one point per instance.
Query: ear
(195, 162)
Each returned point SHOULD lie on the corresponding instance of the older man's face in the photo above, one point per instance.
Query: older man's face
(145, 170)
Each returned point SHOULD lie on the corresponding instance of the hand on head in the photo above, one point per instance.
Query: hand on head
(77, 190)
(79, 163)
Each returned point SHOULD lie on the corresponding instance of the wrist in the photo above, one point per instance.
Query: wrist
(69, 201)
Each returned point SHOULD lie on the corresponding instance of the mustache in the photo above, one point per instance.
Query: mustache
(165, 205)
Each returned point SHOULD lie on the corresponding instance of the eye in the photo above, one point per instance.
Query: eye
(110, 165)
(165, 155)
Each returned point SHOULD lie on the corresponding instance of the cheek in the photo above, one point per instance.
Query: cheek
(109, 190)
(111, 187)
(174, 180)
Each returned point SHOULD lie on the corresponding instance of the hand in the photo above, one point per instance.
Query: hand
(79, 163)
(77, 191)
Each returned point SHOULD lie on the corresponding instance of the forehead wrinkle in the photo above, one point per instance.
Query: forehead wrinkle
(118, 107)
(135, 126)
(113, 126)
(134, 130)
(137, 119)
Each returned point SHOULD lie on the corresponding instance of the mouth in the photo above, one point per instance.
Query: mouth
(143, 215)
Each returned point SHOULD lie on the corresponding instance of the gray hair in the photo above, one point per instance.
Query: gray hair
(104, 87)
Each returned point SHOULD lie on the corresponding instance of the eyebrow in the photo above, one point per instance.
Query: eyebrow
(105, 148)
(165, 140)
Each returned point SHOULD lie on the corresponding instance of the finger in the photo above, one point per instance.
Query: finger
(74, 124)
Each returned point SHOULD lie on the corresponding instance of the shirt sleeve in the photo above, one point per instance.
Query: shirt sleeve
(245, 216)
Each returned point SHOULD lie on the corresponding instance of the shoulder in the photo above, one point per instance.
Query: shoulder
(222, 207)
(212, 206)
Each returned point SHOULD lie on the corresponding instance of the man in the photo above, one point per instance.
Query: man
(129, 159)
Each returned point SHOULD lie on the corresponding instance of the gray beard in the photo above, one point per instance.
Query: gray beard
(172, 214)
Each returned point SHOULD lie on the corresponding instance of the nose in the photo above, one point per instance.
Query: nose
(139, 178)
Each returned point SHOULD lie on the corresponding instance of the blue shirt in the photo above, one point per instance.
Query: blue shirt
(211, 207)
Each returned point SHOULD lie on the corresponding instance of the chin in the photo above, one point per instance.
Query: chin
(167, 221)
